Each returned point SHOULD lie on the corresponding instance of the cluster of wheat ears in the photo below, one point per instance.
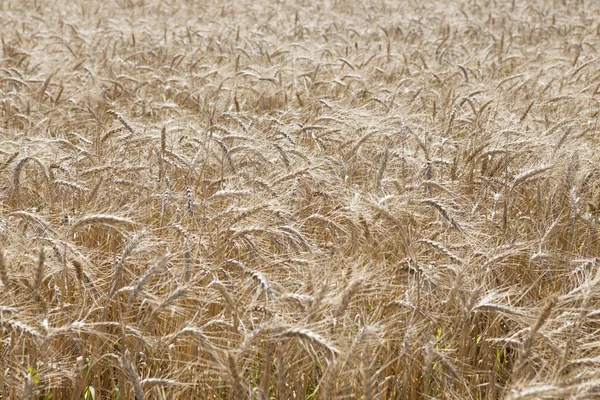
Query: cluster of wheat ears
(299, 199)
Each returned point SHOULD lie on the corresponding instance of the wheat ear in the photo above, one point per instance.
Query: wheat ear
(3, 270)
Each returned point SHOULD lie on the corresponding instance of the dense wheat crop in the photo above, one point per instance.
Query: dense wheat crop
(299, 200)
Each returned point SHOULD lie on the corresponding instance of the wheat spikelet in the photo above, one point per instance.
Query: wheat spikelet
(120, 118)
(198, 335)
(20, 328)
(522, 177)
(165, 201)
(450, 366)
(177, 161)
(3, 270)
(317, 302)
(438, 186)
(529, 342)
(110, 133)
(284, 156)
(229, 193)
(348, 294)
(33, 218)
(96, 170)
(16, 178)
(94, 192)
(238, 389)
(224, 292)
(261, 280)
(101, 219)
(247, 213)
(14, 80)
(384, 162)
(328, 383)
(382, 210)
(313, 338)
(326, 220)
(282, 374)
(544, 315)
(360, 141)
(537, 392)
(118, 269)
(386, 213)
(8, 310)
(123, 182)
(175, 296)
(189, 201)
(187, 268)
(160, 265)
(78, 270)
(116, 279)
(262, 184)
(439, 247)
(159, 382)
(548, 231)
(367, 374)
(71, 185)
(293, 175)
(444, 213)
(365, 227)
(499, 257)
(39, 273)
(133, 243)
(293, 233)
(163, 149)
(498, 308)
(237, 264)
(133, 378)
(300, 298)
(223, 215)
(9, 160)
(236, 233)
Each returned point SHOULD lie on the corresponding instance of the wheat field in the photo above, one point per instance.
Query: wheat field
(299, 200)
